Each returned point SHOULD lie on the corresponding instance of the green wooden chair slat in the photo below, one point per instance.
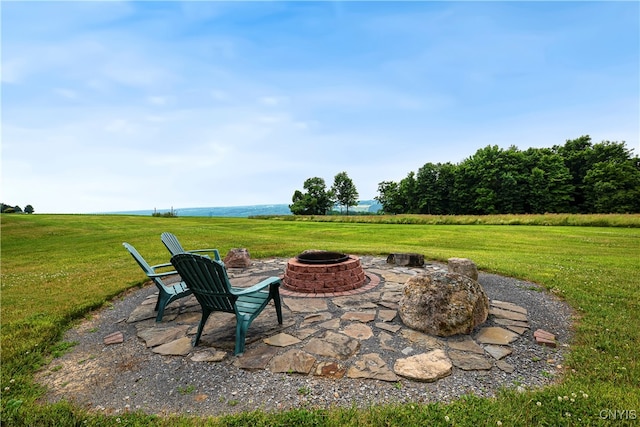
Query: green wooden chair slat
(208, 281)
(166, 293)
(173, 245)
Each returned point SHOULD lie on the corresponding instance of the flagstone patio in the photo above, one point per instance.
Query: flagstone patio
(352, 336)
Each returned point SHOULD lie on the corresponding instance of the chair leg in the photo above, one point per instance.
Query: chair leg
(163, 300)
(203, 320)
(241, 333)
(275, 292)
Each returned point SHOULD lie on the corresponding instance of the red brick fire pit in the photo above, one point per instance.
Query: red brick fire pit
(323, 272)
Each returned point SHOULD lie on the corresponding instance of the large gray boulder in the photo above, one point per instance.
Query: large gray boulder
(443, 304)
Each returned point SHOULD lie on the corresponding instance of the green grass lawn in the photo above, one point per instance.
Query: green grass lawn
(57, 268)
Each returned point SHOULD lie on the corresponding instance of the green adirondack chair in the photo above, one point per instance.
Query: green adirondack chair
(174, 246)
(166, 293)
(210, 284)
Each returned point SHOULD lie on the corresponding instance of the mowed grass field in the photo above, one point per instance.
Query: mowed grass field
(57, 268)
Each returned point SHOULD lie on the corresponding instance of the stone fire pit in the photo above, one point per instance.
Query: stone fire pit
(323, 272)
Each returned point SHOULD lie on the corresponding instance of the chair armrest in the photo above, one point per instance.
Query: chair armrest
(257, 287)
(166, 264)
(216, 254)
(167, 273)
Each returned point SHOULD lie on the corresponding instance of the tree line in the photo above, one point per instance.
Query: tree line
(577, 177)
(4, 208)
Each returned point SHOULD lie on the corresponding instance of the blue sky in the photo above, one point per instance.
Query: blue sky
(111, 106)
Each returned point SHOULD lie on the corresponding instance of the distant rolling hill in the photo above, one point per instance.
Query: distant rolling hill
(247, 211)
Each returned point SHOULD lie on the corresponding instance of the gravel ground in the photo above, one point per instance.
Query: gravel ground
(129, 377)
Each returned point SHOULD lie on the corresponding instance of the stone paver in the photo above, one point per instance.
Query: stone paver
(322, 335)
(333, 370)
(469, 361)
(426, 367)
(498, 351)
(387, 315)
(360, 316)
(282, 340)
(306, 305)
(358, 331)
(293, 361)
(209, 356)
(371, 366)
(468, 345)
(334, 345)
(496, 335)
(507, 314)
(509, 306)
(256, 358)
(422, 339)
(179, 347)
(389, 327)
(156, 336)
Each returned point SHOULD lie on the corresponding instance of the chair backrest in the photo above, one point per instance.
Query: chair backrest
(207, 279)
(172, 243)
(143, 264)
(141, 261)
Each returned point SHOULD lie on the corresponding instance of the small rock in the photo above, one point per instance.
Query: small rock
(407, 351)
(544, 334)
(114, 338)
(545, 338)
(237, 258)
(546, 342)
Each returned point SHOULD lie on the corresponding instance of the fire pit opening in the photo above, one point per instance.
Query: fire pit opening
(321, 272)
(321, 257)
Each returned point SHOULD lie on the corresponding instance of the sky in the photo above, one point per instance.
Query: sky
(113, 106)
